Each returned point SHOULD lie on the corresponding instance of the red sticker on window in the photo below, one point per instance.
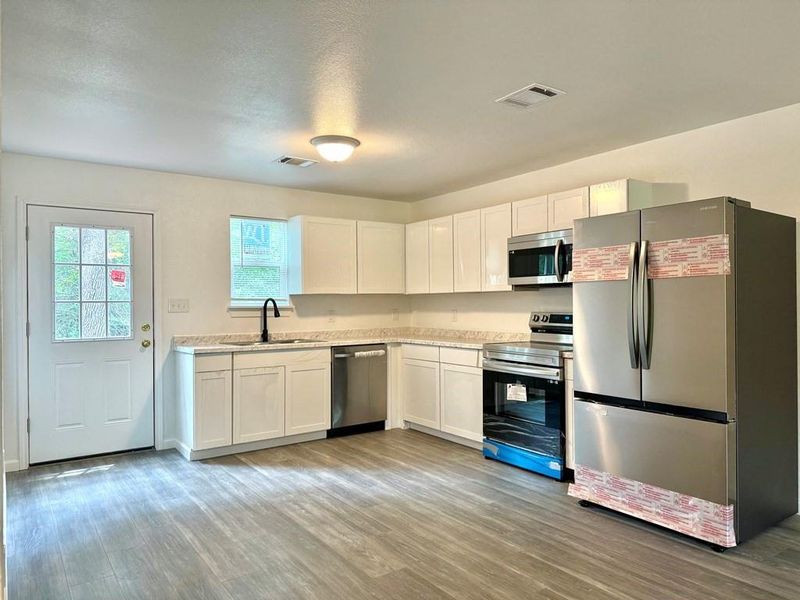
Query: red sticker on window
(117, 277)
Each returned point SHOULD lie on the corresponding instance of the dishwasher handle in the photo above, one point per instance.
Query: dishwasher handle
(362, 354)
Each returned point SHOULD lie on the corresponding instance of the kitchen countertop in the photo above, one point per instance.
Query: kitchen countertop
(208, 344)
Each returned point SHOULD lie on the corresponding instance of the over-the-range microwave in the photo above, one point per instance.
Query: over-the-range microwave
(540, 259)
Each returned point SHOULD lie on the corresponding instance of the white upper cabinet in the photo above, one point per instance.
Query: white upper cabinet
(381, 258)
(495, 231)
(467, 251)
(529, 216)
(619, 196)
(417, 258)
(440, 232)
(564, 207)
(322, 256)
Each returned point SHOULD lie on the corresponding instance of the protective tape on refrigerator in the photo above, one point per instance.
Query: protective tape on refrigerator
(608, 263)
(686, 514)
(689, 257)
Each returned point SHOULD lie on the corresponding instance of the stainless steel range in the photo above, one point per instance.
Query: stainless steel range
(524, 397)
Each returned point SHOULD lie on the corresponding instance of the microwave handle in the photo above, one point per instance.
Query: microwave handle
(559, 274)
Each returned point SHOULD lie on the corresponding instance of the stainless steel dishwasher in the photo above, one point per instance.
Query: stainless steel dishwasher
(359, 389)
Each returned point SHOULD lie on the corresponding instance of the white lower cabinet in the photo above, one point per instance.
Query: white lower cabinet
(308, 397)
(421, 392)
(248, 397)
(462, 401)
(212, 414)
(258, 404)
(442, 389)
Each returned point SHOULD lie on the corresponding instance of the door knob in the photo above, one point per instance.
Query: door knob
(146, 343)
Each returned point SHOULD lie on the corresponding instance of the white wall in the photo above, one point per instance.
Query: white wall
(192, 241)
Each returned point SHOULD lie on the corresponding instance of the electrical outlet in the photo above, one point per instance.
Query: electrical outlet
(178, 305)
(454, 316)
(395, 314)
(331, 316)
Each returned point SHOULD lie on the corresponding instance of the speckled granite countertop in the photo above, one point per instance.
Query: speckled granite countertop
(208, 344)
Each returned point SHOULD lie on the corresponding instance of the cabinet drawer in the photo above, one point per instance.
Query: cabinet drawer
(255, 360)
(460, 356)
(204, 363)
(418, 352)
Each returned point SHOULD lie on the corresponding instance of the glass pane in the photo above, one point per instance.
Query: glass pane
(67, 284)
(119, 319)
(119, 247)
(93, 283)
(258, 259)
(65, 245)
(67, 321)
(119, 284)
(93, 246)
(93, 323)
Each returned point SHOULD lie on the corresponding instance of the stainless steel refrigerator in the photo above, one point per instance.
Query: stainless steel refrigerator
(686, 364)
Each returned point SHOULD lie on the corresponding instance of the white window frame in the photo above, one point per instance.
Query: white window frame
(245, 307)
(80, 264)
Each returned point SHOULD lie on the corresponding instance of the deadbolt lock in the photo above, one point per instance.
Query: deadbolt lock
(146, 343)
(146, 327)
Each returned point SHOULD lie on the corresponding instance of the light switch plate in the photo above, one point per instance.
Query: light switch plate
(331, 316)
(395, 314)
(178, 305)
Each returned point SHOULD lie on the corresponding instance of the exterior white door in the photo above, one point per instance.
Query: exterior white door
(90, 313)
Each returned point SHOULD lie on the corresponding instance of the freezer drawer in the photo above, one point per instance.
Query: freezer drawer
(679, 454)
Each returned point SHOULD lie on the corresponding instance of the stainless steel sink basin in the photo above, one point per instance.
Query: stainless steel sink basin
(272, 342)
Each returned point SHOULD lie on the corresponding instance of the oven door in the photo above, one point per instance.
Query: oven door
(523, 406)
(540, 259)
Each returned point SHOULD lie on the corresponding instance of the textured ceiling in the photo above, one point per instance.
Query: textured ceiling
(221, 88)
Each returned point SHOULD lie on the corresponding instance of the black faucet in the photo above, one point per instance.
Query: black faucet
(275, 313)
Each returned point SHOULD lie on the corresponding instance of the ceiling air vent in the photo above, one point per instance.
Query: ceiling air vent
(529, 96)
(296, 161)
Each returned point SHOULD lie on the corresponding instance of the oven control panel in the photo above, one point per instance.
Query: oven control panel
(541, 320)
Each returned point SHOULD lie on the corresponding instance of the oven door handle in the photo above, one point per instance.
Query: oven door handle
(515, 369)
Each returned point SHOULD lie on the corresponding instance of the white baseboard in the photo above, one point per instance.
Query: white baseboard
(249, 446)
(11, 465)
(184, 450)
(446, 436)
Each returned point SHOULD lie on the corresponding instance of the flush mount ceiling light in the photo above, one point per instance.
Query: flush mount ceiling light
(335, 148)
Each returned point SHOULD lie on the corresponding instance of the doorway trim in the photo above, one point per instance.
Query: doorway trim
(161, 348)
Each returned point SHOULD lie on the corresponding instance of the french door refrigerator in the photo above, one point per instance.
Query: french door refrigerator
(686, 367)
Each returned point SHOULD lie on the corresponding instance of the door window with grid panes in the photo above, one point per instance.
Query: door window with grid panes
(92, 282)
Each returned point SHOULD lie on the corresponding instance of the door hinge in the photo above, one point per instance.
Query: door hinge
(28, 425)
(27, 233)
(27, 329)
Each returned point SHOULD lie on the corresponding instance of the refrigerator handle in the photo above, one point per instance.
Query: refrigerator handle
(633, 329)
(559, 275)
(644, 308)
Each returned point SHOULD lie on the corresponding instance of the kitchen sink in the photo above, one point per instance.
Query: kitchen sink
(272, 342)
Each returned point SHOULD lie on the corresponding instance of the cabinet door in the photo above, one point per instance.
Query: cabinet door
(308, 398)
(381, 258)
(417, 259)
(462, 401)
(441, 254)
(495, 231)
(327, 261)
(529, 216)
(608, 198)
(467, 251)
(564, 207)
(258, 398)
(421, 392)
(212, 409)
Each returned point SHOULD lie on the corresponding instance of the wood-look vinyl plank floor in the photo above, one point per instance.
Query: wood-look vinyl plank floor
(394, 514)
